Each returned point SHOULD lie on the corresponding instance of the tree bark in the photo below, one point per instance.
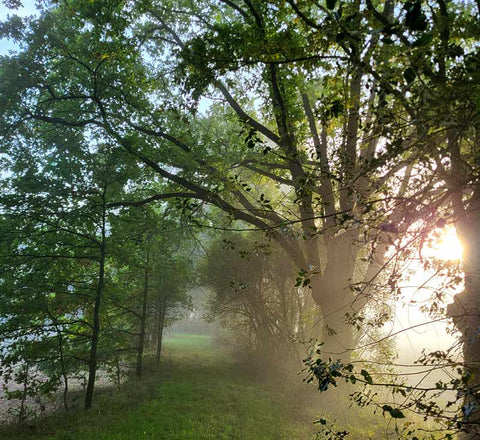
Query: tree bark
(161, 323)
(143, 321)
(465, 311)
(337, 335)
(92, 363)
(331, 291)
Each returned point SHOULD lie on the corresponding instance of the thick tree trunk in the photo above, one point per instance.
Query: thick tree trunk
(334, 300)
(332, 292)
(465, 311)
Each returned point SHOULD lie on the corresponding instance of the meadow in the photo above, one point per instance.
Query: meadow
(199, 393)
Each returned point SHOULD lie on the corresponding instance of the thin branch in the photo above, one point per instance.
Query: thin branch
(236, 8)
(152, 199)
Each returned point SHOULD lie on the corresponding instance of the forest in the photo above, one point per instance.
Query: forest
(240, 219)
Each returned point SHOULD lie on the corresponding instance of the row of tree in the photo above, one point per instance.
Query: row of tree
(85, 282)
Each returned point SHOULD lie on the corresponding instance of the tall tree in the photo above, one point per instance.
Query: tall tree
(55, 207)
(438, 58)
(316, 136)
(324, 101)
(336, 127)
(432, 75)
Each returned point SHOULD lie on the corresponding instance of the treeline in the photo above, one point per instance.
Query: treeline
(87, 282)
(90, 279)
(256, 296)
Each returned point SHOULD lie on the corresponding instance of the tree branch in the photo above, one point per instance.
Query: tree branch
(153, 198)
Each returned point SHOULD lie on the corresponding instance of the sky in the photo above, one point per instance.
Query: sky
(27, 9)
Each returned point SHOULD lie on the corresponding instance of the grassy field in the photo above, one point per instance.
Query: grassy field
(198, 394)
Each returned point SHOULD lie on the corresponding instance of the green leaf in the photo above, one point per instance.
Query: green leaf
(367, 377)
(386, 408)
(397, 414)
(409, 75)
(424, 40)
(394, 412)
(331, 4)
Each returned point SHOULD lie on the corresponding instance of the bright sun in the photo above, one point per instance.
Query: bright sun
(447, 246)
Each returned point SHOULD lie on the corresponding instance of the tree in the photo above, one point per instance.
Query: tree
(443, 86)
(55, 253)
(433, 78)
(155, 273)
(328, 170)
(61, 189)
(173, 277)
(254, 295)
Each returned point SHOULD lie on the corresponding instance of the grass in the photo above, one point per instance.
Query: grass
(198, 394)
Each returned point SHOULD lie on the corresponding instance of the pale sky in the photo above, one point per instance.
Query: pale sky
(27, 9)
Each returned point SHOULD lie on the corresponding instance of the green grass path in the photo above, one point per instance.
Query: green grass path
(198, 394)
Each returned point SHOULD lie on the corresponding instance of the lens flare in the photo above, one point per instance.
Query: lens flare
(447, 246)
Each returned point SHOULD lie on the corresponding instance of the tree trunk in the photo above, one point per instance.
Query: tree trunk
(337, 336)
(161, 322)
(331, 291)
(62, 367)
(92, 363)
(143, 320)
(154, 330)
(465, 311)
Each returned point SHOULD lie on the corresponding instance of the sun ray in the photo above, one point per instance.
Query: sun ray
(447, 246)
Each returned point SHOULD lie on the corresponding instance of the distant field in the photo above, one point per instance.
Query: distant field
(198, 394)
